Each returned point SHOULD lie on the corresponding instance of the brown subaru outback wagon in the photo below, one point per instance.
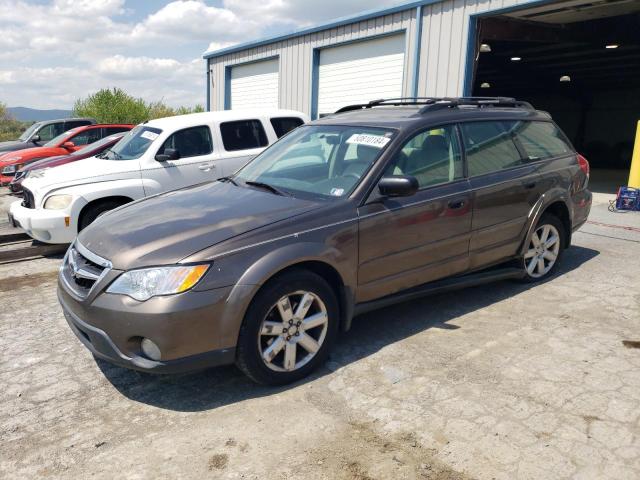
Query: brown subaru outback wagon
(376, 204)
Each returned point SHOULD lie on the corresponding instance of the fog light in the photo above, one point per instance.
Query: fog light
(150, 349)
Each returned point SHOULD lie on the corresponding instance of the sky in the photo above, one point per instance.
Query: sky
(55, 51)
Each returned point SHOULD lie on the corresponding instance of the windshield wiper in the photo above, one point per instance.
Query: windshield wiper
(116, 155)
(228, 179)
(271, 188)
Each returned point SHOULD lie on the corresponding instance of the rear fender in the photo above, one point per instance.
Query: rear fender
(546, 199)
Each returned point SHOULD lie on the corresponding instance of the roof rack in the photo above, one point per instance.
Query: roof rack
(436, 103)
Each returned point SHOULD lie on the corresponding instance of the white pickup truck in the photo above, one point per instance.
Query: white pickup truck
(154, 157)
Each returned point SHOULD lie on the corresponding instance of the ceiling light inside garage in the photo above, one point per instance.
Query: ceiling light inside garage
(516, 59)
(613, 45)
(485, 48)
(485, 85)
(565, 78)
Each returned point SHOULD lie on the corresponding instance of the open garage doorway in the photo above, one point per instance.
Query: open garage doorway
(580, 61)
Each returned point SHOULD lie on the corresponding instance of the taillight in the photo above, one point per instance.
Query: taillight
(584, 165)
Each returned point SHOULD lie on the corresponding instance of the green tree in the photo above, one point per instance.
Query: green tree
(10, 128)
(116, 106)
(112, 106)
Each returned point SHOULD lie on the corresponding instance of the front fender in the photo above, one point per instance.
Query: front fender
(253, 273)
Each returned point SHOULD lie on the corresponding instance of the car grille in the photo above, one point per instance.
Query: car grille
(81, 270)
(27, 199)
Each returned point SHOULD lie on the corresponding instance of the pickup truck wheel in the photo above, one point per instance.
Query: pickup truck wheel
(545, 249)
(288, 329)
(89, 215)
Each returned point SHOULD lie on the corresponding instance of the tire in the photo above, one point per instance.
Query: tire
(548, 226)
(264, 334)
(94, 211)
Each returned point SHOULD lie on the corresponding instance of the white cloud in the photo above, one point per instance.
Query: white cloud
(52, 53)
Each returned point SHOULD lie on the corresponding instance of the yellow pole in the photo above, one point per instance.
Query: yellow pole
(634, 173)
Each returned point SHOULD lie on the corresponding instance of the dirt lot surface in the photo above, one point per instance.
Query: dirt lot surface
(503, 381)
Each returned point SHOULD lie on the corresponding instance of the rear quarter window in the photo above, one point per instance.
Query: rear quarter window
(489, 147)
(541, 140)
(284, 125)
(243, 135)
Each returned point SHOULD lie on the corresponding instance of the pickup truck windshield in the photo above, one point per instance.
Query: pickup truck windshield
(321, 161)
(133, 144)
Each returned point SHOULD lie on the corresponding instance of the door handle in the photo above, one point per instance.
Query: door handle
(530, 185)
(205, 167)
(456, 204)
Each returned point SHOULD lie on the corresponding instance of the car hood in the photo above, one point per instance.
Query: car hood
(166, 228)
(24, 154)
(46, 163)
(14, 145)
(89, 170)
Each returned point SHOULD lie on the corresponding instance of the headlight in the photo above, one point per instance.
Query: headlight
(58, 202)
(150, 282)
(10, 169)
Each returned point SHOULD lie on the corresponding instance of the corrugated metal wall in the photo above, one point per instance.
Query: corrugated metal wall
(442, 53)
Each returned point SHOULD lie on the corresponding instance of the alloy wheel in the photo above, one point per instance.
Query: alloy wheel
(293, 331)
(544, 248)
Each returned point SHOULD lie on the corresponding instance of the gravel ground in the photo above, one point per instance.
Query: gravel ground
(501, 381)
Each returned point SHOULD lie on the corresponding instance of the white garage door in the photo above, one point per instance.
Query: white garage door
(360, 72)
(255, 85)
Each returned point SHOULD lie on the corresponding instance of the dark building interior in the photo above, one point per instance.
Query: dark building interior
(578, 60)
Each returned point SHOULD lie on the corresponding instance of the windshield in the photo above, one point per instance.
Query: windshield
(98, 146)
(133, 144)
(325, 161)
(55, 141)
(29, 131)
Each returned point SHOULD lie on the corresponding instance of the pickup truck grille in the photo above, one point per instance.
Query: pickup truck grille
(27, 199)
(81, 273)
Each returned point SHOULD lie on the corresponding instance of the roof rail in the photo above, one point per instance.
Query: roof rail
(436, 103)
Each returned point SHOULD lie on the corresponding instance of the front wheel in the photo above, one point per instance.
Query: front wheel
(288, 329)
(545, 248)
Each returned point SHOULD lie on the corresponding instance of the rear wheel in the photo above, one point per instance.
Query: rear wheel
(544, 249)
(95, 211)
(288, 329)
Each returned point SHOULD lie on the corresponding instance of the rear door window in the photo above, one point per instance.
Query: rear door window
(284, 125)
(243, 135)
(541, 140)
(190, 142)
(490, 147)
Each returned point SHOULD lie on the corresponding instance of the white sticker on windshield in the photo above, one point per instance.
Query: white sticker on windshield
(337, 192)
(149, 135)
(376, 141)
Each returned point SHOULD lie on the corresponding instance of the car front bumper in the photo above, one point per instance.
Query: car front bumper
(193, 330)
(48, 226)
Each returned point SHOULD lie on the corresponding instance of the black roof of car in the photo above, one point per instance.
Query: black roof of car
(406, 112)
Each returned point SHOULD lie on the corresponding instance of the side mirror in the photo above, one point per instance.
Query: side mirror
(169, 154)
(69, 145)
(35, 138)
(398, 186)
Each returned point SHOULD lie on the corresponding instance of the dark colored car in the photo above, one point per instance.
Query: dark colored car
(42, 132)
(91, 150)
(373, 205)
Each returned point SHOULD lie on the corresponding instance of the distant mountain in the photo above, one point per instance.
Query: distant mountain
(25, 114)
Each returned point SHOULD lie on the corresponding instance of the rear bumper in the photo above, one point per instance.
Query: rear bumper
(99, 343)
(581, 208)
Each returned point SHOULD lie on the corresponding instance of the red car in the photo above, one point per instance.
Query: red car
(64, 144)
(91, 150)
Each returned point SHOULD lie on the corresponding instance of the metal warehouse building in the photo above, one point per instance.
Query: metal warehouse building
(578, 59)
